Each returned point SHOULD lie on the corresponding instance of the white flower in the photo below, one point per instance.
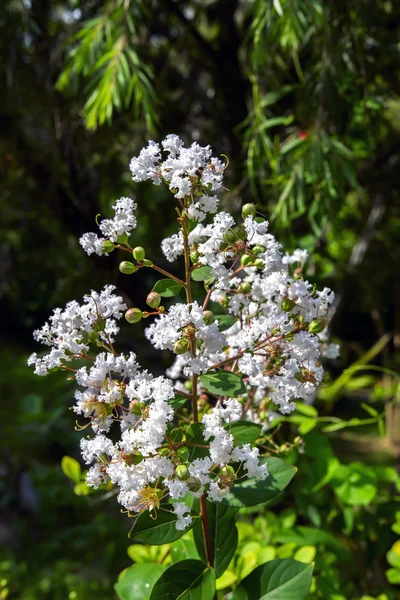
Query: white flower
(298, 256)
(123, 222)
(145, 166)
(199, 209)
(184, 519)
(92, 244)
(66, 332)
(172, 247)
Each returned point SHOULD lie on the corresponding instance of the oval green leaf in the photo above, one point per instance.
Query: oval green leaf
(136, 582)
(71, 468)
(186, 580)
(225, 321)
(251, 491)
(244, 432)
(202, 273)
(167, 288)
(311, 536)
(223, 383)
(178, 400)
(194, 435)
(279, 579)
(160, 530)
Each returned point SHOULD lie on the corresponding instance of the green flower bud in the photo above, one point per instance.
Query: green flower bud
(316, 326)
(147, 263)
(289, 336)
(134, 407)
(208, 317)
(194, 484)
(133, 458)
(246, 260)
(224, 302)
(133, 315)
(194, 255)
(182, 472)
(230, 236)
(181, 346)
(188, 385)
(227, 470)
(153, 299)
(108, 246)
(245, 287)
(248, 210)
(287, 304)
(183, 453)
(126, 267)
(122, 239)
(258, 249)
(139, 253)
(227, 477)
(259, 263)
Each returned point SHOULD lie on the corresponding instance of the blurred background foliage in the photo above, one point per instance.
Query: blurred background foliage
(304, 98)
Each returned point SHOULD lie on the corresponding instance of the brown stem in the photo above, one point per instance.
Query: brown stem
(203, 506)
(169, 275)
(207, 299)
(189, 300)
(206, 531)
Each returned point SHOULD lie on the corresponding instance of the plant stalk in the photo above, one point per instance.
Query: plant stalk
(206, 531)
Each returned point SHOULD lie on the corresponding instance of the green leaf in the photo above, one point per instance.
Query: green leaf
(306, 409)
(223, 383)
(186, 580)
(167, 288)
(228, 579)
(160, 530)
(393, 576)
(355, 484)
(285, 579)
(244, 432)
(223, 535)
(202, 273)
(194, 435)
(225, 321)
(306, 554)
(71, 468)
(251, 492)
(393, 556)
(82, 489)
(183, 549)
(136, 582)
(311, 536)
(278, 7)
(178, 400)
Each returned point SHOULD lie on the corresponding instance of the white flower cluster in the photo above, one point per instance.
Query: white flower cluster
(186, 321)
(277, 325)
(280, 316)
(189, 173)
(123, 222)
(68, 330)
(114, 390)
